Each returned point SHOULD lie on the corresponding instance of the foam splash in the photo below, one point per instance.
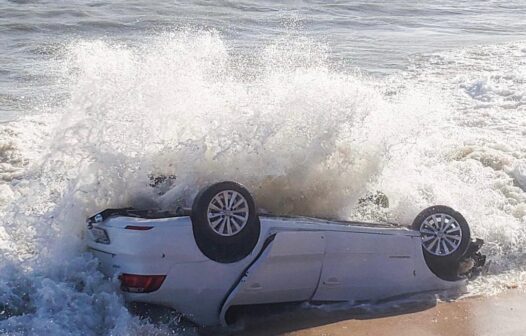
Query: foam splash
(305, 136)
(480, 166)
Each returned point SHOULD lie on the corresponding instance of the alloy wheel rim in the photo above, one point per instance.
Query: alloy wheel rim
(228, 213)
(441, 234)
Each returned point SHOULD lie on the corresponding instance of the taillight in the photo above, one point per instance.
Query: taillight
(141, 283)
(138, 228)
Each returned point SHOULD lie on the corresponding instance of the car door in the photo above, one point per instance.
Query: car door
(288, 270)
(366, 266)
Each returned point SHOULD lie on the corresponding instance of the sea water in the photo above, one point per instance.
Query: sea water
(311, 105)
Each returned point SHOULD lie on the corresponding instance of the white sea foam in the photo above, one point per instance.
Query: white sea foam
(305, 135)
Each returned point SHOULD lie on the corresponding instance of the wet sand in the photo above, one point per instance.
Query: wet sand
(499, 315)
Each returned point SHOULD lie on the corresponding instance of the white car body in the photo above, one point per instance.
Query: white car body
(295, 259)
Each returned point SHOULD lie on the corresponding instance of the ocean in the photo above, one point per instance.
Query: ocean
(312, 105)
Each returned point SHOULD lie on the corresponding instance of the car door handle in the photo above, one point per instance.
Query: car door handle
(254, 287)
(332, 282)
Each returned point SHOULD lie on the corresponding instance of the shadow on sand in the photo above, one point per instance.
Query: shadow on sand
(274, 319)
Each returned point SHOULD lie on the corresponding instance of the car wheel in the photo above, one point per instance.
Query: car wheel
(445, 239)
(224, 220)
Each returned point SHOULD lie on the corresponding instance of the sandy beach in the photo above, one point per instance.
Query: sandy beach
(497, 315)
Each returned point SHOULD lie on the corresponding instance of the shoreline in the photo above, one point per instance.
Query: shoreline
(503, 314)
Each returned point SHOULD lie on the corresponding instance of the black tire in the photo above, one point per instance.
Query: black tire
(443, 260)
(221, 242)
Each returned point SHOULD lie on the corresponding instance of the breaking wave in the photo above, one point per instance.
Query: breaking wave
(306, 135)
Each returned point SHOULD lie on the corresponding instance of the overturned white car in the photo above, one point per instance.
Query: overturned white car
(221, 253)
